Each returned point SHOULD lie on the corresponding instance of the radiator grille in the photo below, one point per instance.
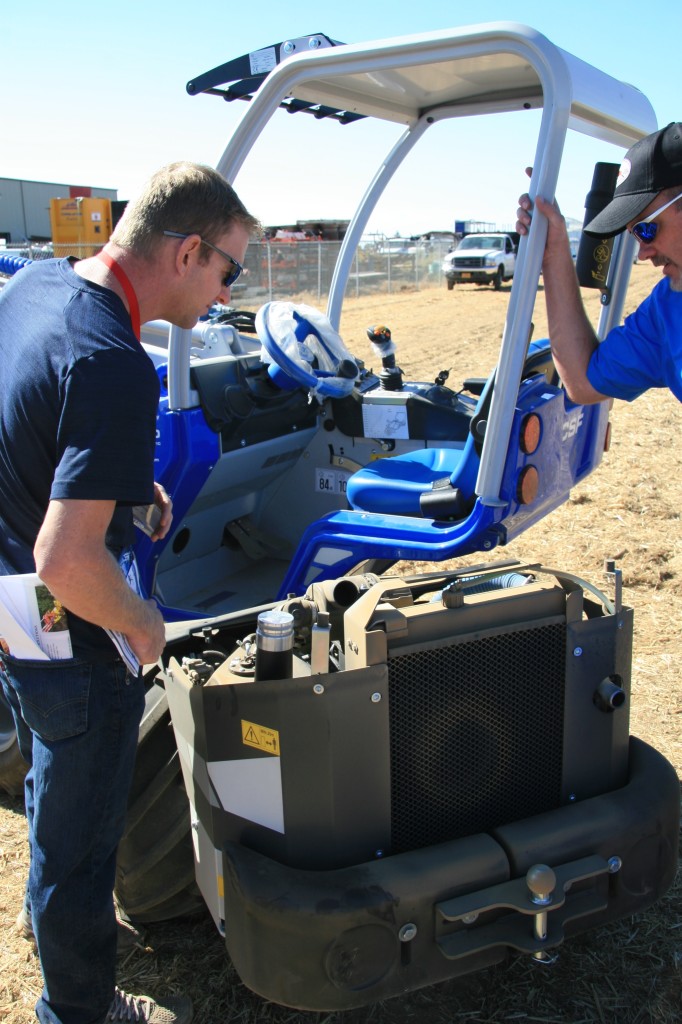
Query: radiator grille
(476, 735)
(469, 262)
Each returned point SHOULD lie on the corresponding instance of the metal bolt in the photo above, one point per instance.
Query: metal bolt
(318, 688)
(378, 853)
(407, 932)
(315, 43)
(470, 918)
(544, 959)
(577, 652)
(195, 824)
(615, 864)
(375, 698)
(571, 797)
(541, 882)
(288, 47)
(487, 544)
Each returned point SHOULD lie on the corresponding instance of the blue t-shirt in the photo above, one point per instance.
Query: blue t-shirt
(78, 401)
(646, 352)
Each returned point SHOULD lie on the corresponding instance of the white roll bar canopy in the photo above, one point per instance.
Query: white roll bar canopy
(423, 79)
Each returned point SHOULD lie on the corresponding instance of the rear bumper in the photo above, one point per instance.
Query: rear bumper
(331, 940)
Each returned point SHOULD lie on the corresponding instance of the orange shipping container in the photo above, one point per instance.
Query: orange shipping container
(80, 225)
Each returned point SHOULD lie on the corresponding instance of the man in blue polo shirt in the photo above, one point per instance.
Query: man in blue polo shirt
(78, 402)
(646, 351)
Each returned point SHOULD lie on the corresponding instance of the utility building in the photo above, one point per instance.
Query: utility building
(25, 206)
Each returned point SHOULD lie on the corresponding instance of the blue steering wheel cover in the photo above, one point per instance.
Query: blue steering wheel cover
(315, 379)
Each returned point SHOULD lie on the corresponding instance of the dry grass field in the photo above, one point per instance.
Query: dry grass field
(627, 973)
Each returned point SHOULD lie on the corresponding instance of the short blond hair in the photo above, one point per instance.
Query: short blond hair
(185, 197)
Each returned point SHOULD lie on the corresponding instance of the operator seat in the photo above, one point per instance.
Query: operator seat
(437, 483)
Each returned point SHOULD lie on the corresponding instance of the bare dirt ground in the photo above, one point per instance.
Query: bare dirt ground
(627, 973)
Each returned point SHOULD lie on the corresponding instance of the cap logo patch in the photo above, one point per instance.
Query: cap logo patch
(624, 172)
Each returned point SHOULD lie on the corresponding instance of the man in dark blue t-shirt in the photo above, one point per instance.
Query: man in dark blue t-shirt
(78, 399)
(78, 402)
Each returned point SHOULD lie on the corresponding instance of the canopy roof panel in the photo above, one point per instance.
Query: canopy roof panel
(480, 68)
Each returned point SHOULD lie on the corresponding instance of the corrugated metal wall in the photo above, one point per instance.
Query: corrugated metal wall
(25, 206)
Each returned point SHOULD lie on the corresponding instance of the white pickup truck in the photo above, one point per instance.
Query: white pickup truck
(482, 259)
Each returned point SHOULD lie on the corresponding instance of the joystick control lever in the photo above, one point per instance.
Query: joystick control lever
(391, 376)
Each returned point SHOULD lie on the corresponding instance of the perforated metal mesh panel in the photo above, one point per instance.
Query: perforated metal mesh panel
(476, 734)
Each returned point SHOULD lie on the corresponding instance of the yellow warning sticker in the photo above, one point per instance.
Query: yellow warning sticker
(260, 737)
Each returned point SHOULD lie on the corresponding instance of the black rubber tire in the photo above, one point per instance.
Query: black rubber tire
(13, 768)
(498, 279)
(450, 283)
(155, 878)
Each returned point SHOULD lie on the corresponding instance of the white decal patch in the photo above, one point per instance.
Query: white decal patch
(251, 788)
(263, 61)
(624, 172)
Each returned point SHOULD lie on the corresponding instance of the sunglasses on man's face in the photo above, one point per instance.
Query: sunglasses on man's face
(232, 275)
(646, 230)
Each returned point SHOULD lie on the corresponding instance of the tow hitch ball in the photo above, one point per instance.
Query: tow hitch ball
(541, 882)
(498, 916)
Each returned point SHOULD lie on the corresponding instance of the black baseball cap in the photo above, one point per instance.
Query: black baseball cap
(652, 164)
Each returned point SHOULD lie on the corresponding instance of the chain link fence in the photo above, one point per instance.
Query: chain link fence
(32, 250)
(46, 250)
(282, 270)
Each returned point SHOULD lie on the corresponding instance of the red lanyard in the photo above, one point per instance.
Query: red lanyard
(127, 287)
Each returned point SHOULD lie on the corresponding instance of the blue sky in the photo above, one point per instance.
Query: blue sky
(95, 94)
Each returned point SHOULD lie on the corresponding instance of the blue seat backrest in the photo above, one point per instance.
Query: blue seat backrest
(438, 482)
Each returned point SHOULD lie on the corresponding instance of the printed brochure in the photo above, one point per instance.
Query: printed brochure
(34, 625)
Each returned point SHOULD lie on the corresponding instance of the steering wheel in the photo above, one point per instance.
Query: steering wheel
(302, 349)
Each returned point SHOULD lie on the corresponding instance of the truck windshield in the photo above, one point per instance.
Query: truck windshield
(481, 242)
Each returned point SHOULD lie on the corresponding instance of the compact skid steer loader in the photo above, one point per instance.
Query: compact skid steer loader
(378, 780)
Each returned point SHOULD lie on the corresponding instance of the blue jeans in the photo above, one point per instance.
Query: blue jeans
(77, 726)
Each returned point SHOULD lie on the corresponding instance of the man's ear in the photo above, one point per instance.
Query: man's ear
(187, 253)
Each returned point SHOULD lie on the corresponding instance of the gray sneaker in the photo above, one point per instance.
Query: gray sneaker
(127, 938)
(144, 1010)
(23, 925)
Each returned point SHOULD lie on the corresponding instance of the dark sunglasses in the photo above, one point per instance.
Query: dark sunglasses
(230, 277)
(646, 230)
